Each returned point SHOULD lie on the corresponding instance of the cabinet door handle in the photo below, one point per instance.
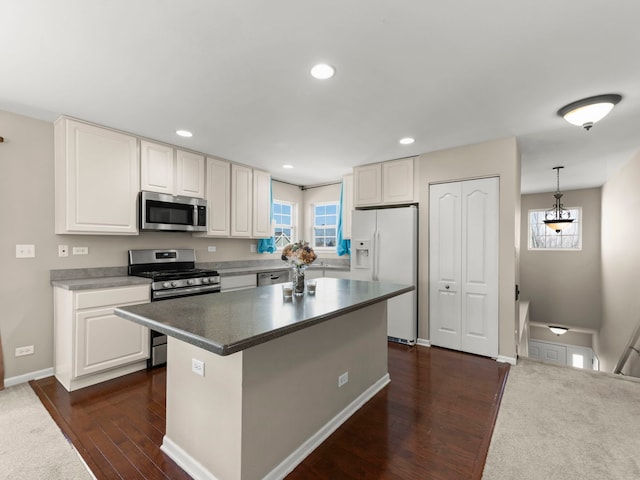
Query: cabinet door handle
(447, 287)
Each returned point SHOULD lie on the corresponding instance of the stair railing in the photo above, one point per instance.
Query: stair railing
(630, 347)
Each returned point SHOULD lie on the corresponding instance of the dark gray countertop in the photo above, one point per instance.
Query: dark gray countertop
(229, 322)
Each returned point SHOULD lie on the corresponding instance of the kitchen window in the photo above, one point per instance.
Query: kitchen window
(325, 225)
(542, 237)
(283, 215)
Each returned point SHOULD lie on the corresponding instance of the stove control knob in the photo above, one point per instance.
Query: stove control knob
(205, 280)
(191, 281)
(213, 279)
(166, 285)
(174, 284)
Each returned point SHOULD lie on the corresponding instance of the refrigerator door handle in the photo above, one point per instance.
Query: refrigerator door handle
(376, 256)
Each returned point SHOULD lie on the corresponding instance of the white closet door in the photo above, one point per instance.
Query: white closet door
(463, 266)
(479, 288)
(444, 264)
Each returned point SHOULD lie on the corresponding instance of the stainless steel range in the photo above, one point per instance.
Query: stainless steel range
(173, 275)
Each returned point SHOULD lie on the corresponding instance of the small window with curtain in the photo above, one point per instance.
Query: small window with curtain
(283, 223)
(325, 225)
(543, 237)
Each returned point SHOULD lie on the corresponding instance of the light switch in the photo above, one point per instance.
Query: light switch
(25, 251)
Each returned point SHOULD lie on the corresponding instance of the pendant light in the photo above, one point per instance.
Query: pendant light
(584, 113)
(557, 218)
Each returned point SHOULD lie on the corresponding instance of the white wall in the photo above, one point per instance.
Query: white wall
(564, 287)
(497, 158)
(620, 265)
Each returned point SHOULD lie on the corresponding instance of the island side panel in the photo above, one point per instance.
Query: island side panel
(290, 387)
(204, 413)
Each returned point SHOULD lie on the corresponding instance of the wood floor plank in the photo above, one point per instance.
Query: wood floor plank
(433, 421)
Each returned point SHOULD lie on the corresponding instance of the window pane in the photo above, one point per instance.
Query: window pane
(332, 209)
(543, 237)
(330, 220)
(286, 209)
(320, 210)
(277, 207)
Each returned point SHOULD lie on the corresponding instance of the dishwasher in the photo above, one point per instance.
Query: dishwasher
(270, 278)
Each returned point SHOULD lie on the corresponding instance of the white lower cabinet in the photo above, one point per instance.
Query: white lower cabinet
(238, 282)
(92, 344)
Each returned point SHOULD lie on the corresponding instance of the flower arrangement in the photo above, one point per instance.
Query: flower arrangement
(299, 254)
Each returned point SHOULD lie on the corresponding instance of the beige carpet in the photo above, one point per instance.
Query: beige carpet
(563, 423)
(31, 444)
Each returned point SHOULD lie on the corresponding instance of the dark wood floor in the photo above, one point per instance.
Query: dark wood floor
(434, 421)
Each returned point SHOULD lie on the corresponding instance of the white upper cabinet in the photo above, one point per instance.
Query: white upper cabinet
(189, 174)
(386, 183)
(157, 167)
(238, 201)
(218, 195)
(241, 201)
(397, 181)
(97, 179)
(347, 205)
(261, 204)
(166, 170)
(367, 184)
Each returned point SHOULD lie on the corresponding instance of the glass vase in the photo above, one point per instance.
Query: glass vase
(298, 281)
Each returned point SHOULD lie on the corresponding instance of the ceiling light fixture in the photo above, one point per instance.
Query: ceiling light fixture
(322, 71)
(584, 113)
(558, 330)
(557, 218)
(184, 133)
(287, 166)
(407, 140)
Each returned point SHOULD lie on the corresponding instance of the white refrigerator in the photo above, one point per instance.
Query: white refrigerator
(384, 248)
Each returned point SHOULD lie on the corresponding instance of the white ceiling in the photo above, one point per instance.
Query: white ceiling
(236, 73)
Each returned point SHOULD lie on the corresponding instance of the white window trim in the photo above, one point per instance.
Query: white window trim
(313, 224)
(294, 220)
(532, 249)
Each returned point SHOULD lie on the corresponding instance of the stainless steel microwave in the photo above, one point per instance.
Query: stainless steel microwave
(172, 213)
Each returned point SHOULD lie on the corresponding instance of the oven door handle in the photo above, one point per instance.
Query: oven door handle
(158, 294)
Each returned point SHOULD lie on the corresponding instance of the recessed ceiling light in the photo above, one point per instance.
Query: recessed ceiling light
(407, 140)
(287, 166)
(184, 133)
(322, 71)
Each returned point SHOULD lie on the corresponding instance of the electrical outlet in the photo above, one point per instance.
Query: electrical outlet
(25, 251)
(211, 248)
(197, 367)
(253, 248)
(63, 250)
(343, 379)
(80, 250)
(22, 351)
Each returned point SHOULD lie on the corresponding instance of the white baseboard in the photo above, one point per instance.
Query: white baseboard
(199, 472)
(185, 461)
(298, 455)
(423, 342)
(27, 377)
(503, 359)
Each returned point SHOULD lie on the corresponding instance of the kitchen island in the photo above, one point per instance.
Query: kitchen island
(253, 379)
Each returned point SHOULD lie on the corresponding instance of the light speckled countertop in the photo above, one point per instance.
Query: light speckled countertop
(100, 282)
(229, 322)
(110, 277)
